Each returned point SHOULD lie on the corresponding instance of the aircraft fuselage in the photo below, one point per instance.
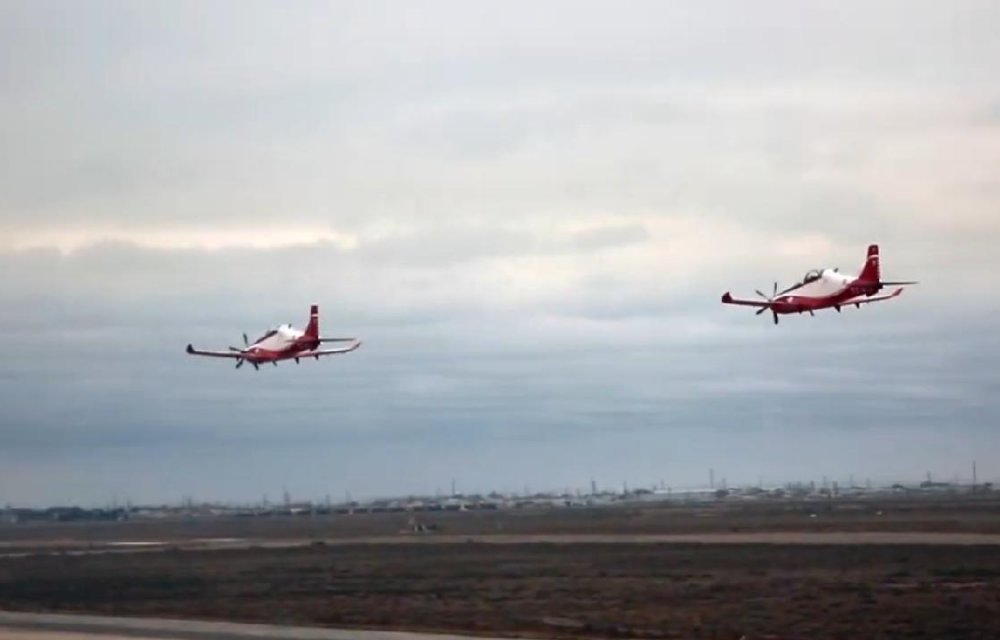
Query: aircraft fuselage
(822, 290)
(282, 343)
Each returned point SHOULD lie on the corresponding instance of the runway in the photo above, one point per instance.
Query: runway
(17, 549)
(45, 626)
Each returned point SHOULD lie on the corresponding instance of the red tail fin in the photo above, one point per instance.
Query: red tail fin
(871, 272)
(312, 329)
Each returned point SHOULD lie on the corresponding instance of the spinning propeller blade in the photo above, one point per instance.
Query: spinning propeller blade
(770, 300)
(239, 361)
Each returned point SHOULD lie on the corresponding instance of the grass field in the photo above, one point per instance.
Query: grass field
(543, 589)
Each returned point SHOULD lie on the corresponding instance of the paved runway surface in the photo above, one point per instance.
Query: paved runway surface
(31, 626)
(13, 549)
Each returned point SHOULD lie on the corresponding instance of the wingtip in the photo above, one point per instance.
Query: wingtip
(727, 298)
(190, 349)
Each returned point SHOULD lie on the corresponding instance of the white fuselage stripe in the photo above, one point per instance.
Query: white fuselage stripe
(830, 283)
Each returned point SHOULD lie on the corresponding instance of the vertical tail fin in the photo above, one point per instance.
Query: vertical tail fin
(871, 272)
(312, 329)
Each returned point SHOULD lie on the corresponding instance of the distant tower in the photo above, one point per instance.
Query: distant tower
(975, 479)
(711, 478)
(593, 487)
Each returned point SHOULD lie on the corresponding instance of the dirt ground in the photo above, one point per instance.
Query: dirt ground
(547, 589)
(980, 515)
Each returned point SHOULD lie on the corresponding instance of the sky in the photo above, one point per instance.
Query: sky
(526, 210)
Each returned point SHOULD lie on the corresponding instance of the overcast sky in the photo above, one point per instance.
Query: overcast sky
(527, 211)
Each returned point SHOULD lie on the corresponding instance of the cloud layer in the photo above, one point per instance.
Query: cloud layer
(527, 212)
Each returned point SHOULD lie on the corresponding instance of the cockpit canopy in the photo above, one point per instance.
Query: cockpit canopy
(811, 276)
(284, 329)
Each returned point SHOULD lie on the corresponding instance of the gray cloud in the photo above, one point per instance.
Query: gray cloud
(528, 220)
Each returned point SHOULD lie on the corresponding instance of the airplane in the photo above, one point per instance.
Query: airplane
(826, 288)
(282, 343)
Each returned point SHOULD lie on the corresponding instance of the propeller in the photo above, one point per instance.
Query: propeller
(239, 361)
(770, 301)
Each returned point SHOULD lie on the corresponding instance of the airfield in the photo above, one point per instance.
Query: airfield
(897, 567)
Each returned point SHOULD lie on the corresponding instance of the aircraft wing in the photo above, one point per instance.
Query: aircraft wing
(864, 300)
(214, 354)
(728, 299)
(328, 352)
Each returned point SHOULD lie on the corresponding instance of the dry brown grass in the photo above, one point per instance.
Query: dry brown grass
(819, 592)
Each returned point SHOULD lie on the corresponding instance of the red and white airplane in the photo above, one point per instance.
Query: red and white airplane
(825, 288)
(282, 343)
